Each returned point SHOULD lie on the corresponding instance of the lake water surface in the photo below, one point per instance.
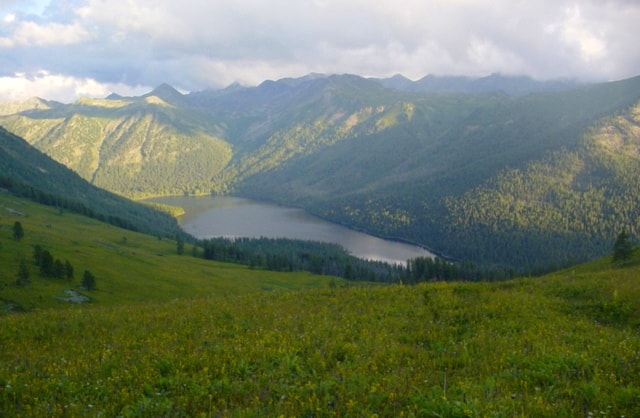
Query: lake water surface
(224, 216)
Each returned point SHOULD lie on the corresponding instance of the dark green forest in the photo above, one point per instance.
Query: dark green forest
(279, 254)
(531, 182)
(26, 172)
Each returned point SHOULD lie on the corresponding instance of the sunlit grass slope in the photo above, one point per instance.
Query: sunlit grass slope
(129, 267)
(564, 345)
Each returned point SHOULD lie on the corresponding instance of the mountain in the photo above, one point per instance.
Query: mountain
(511, 85)
(27, 172)
(137, 147)
(165, 93)
(427, 179)
(522, 180)
(34, 103)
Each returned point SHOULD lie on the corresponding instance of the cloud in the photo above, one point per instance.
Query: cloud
(576, 31)
(195, 44)
(59, 87)
(33, 34)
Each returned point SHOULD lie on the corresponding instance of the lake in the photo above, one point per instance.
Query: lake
(231, 217)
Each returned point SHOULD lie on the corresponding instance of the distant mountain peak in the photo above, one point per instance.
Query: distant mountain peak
(37, 101)
(165, 92)
(33, 103)
(397, 81)
(514, 85)
(234, 86)
(399, 76)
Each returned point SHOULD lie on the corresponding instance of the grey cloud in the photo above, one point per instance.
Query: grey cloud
(195, 44)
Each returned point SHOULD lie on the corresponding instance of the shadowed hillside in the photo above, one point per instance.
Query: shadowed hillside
(27, 172)
(430, 168)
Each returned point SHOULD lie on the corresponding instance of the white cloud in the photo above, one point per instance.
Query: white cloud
(488, 56)
(575, 32)
(31, 33)
(195, 44)
(58, 87)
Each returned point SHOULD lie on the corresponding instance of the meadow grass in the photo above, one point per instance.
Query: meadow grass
(440, 349)
(563, 345)
(129, 267)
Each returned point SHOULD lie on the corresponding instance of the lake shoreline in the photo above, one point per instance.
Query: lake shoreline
(291, 220)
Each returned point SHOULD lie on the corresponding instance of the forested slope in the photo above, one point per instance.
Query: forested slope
(567, 205)
(29, 173)
(433, 168)
(135, 147)
(460, 190)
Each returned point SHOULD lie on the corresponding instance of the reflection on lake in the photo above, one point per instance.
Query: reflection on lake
(223, 216)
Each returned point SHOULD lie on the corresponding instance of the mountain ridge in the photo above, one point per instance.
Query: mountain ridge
(496, 82)
(344, 147)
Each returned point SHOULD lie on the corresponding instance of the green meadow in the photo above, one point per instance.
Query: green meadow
(174, 336)
(129, 267)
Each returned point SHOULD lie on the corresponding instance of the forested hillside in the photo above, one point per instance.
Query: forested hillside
(514, 180)
(427, 181)
(567, 205)
(27, 172)
(137, 148)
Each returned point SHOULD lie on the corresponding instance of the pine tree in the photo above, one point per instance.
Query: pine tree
(18, 231)
(623, 247)
(179, 244)
(23, 273)
(88, 280)
(46, 263)
(68, 270)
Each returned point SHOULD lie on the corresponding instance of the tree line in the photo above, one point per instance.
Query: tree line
(51, 267)
(281, 254)
(48, 266)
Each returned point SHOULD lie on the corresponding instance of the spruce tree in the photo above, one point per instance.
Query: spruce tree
(23, 273)
(623, 247)
(88, 280)
(179, 244)
(68, 270)
(18, 231)
(57, 269)
(46, 263)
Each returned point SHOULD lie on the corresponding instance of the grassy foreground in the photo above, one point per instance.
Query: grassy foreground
(174, 336)
(563, 345)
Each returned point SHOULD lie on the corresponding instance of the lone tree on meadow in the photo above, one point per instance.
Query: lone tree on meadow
(18, 231)
(46, 263)
(179, 244)
(88, 280)
(23, 273)
(68, 270)
(623, 247)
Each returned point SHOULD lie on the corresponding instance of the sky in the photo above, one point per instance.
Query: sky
(66, 49)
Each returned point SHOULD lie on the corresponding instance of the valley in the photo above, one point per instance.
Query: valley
(171, 326)
(434, 168)
(319, 209)
(172, 335)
